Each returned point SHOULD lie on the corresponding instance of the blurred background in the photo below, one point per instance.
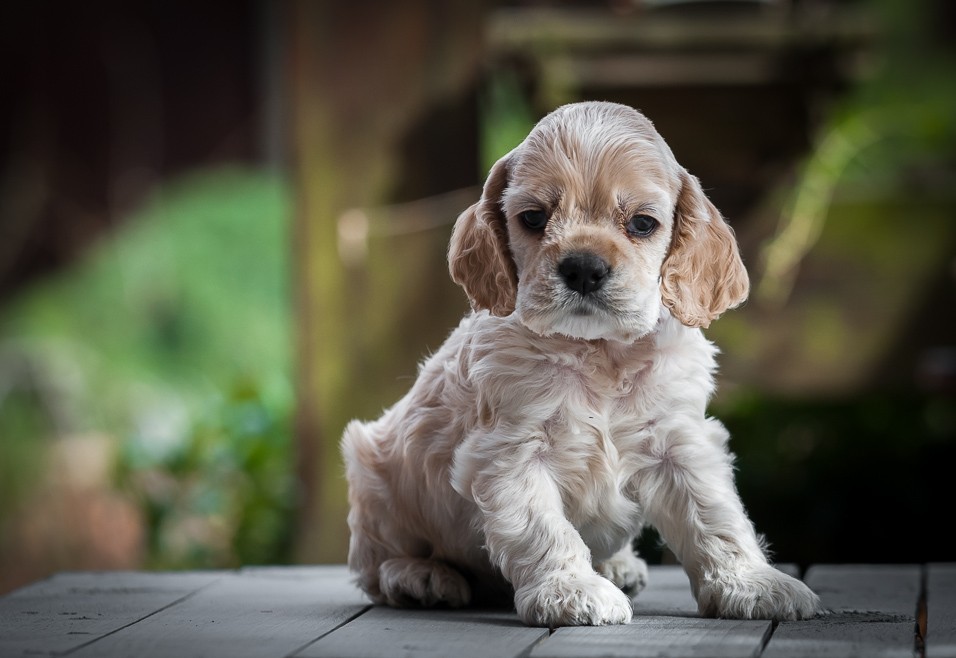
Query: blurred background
(223, 229)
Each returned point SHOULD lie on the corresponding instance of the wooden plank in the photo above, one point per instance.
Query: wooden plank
(548, 30)
(842, 635)
(251, 614)
(388, 632)
(667, 593)
(69, 610)
(659, 636)
(941, 610)
(345, 147)
(873, 613)
(886, 588)
(305, 611)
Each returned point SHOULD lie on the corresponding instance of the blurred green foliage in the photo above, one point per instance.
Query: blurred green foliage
(21, 422)
(191, 291)
(892, 135)
(172, 336)
(506, 118)
(223, 495)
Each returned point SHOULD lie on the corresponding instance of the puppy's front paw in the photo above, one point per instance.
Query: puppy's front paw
(764, 593)
(625, 570)
(408, 582)
(572, 599)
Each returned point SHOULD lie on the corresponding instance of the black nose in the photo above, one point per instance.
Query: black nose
(583, 272)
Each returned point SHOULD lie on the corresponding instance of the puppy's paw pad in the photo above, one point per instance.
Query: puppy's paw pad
(764, 593)
(625, 570)
(413, 582)
(572, 599)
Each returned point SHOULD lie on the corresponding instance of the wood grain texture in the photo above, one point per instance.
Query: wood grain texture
(872, 613)
(843, 635)
(887, 588)
(314, 611)
(658, 636)
(72, 609)
(667, 593)
(392, 633)
(240, 615)
(941, 610)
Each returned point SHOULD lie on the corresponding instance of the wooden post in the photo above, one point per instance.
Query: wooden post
(359, 73)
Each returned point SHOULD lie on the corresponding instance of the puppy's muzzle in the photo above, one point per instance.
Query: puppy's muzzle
(584, 272)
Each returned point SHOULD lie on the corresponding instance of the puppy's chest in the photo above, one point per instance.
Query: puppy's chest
(601, 407)
(591, 411)
(594, 445)
(594, 470)
(594, 436)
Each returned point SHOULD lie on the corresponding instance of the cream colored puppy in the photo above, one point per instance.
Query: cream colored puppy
(568, 409)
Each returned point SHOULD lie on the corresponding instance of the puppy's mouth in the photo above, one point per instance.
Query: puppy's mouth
(588, 306)
(589, 317)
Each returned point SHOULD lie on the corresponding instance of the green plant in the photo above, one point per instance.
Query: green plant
(223, 495)
(172, 338)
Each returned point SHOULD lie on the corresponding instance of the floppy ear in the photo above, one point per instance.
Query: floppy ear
(703, 274)
(478, 256)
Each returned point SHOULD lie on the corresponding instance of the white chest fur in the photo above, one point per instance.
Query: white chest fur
(583, 409)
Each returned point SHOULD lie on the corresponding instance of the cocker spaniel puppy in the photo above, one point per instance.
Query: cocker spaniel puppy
(568, 409)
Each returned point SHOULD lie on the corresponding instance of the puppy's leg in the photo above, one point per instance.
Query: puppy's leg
(538, 550)
(625, 569)
(385, 554)
(409, 582)
(365, 555)
(403, 581)
(688, 493)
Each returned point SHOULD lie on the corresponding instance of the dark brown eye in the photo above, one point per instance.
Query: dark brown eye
(534, 219)
(641, 225)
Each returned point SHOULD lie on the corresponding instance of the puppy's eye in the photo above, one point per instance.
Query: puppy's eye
(641, 225)
(534, 219)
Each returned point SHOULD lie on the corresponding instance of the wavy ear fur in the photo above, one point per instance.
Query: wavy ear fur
(478, 256)
(703, 274)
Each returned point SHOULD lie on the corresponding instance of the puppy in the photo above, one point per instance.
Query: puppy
(568, 409)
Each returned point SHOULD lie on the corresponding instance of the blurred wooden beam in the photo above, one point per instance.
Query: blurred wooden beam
(695, 44)
(554, 29)
(663, 70)
(359, 74)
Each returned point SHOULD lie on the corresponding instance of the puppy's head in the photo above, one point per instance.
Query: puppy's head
(589, 228)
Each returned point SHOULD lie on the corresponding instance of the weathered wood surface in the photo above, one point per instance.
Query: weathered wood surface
(386, 633)
(310, 612)
(873, 612)
(941, 611)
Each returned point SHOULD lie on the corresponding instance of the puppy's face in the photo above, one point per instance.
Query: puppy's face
(590, 228)
(589, 212)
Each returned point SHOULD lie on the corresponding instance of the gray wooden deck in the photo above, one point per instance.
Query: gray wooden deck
(307, 612)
